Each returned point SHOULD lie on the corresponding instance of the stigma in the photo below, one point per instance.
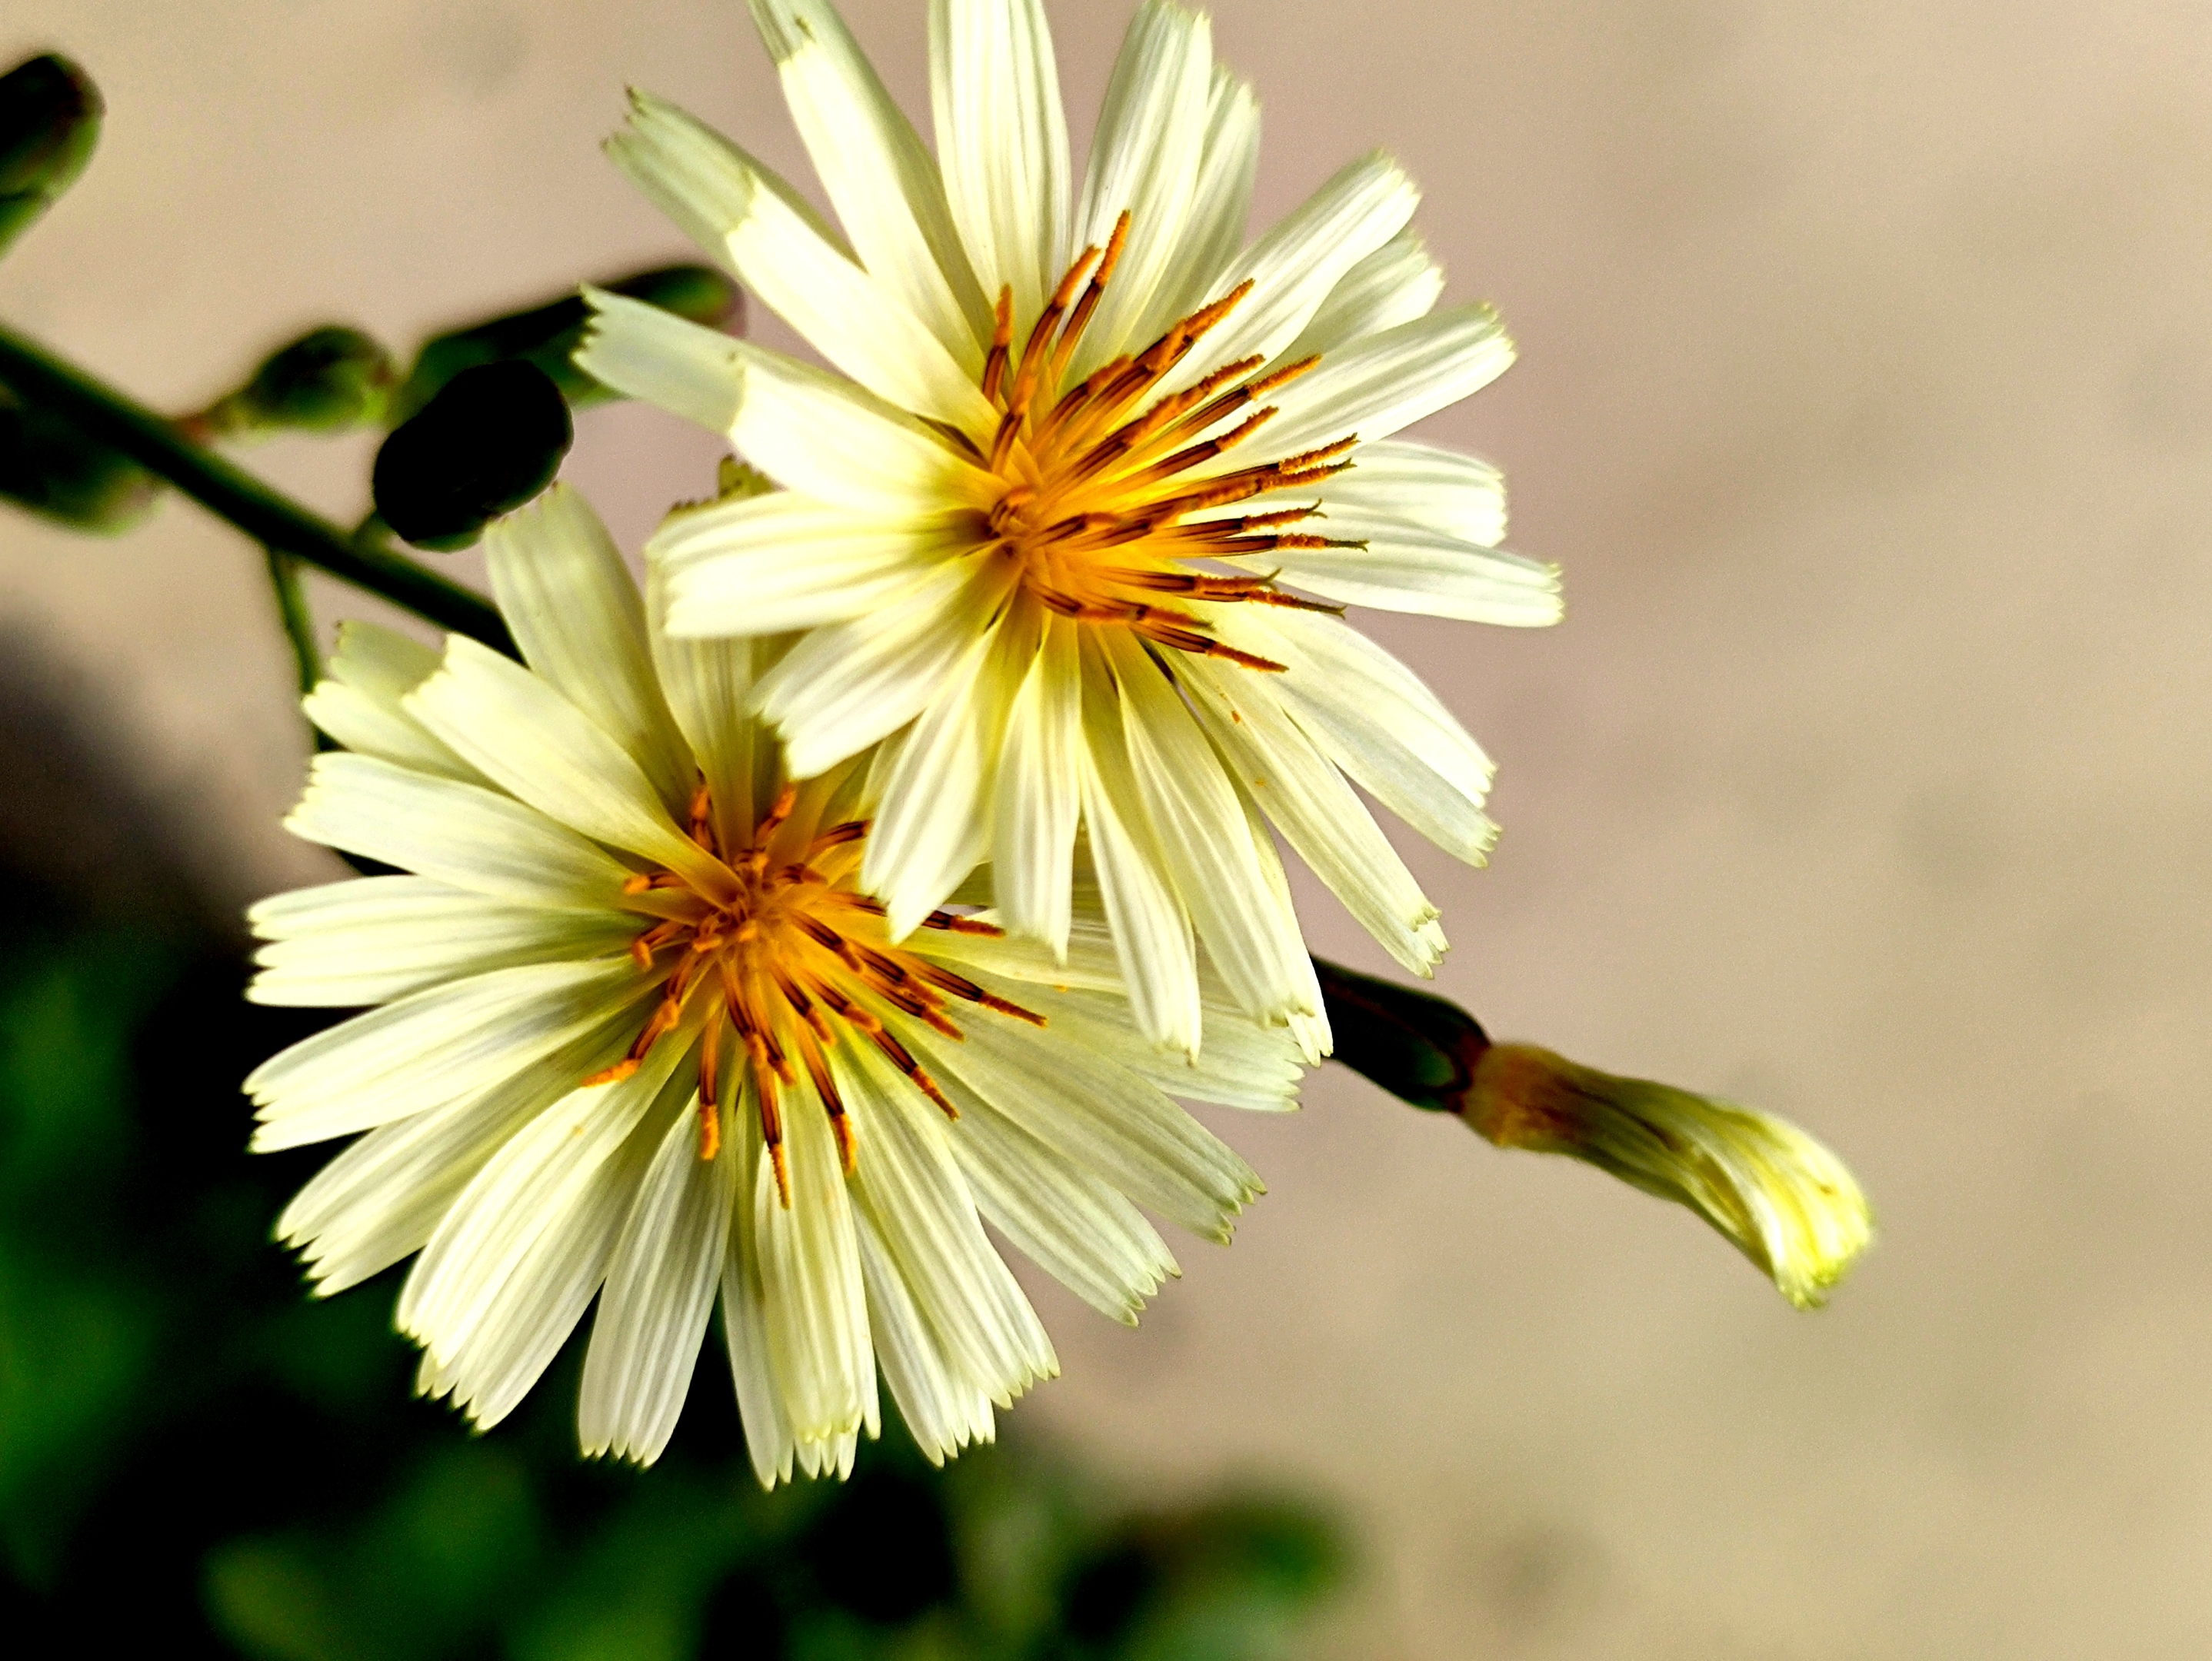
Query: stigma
(781, 964)
(1098, 493)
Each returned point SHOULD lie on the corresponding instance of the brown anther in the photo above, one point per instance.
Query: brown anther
(952, 924)
(1085, 308)
(1002, 340)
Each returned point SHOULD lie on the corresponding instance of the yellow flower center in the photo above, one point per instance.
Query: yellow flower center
(1098, 505)
(792, 960)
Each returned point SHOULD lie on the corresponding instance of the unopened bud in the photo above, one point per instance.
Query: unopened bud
(49, 466)
(1785, 1201)
(329, 380)
(548, 336)
(50, 116)
(489, 442)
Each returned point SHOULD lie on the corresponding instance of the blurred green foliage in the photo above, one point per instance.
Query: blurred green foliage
(191, 1447)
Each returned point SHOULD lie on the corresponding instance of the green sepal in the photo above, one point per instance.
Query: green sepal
(1421, 1048)
(548, 336)
(491, 440)
(49, 114)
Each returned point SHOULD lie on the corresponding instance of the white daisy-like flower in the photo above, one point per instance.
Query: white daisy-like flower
(1067, 524)
(639, 1034)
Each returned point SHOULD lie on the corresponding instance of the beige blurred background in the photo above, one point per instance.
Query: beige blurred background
(1866, 397)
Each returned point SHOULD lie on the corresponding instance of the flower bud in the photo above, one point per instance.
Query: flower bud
(50, 116)
(491, 440)
(1786, 1202)
(1789, 1204)
(547, 335)
(329, 380)
(49, 466)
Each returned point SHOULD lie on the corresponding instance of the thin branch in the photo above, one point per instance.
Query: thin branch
(269, 517)
(299, 620)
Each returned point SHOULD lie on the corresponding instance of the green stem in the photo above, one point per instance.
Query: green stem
(231, 494)
(299, 620)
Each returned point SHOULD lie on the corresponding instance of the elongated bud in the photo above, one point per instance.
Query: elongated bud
(489, 442)
(52, 468)
(329, 380)
(1786, 1202)
(50, 116)
(548, 336)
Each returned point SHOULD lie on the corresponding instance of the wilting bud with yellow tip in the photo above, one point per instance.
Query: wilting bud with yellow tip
(1787, 1203)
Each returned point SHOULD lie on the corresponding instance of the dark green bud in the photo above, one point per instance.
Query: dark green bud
(50, 467)
(50, 116)
(1416, 1045)
(328, 381)
(548, 336)
(491, 440)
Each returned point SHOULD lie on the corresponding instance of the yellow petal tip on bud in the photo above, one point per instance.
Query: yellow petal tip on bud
(1785, 1201)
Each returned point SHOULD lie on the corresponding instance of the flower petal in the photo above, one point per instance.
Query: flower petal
(472, 838)
(1151, 928)
(1080, 1229)
(1421, 572)
(814, 1308)
(1301, 790)
(849, 684)
(1396, 486)
(708, 683)
(536, 1294)
(1396, 284)
(659, 1289)
(878, 173)
(1373, 717)
(944, 1410)
(1209, 852)
(768, 1440)
(1297, 265)
(906, 1183)
(432, 1048)
(765, 564)
(459, 1283)
(644, 352)
(1223, 203)
(864, 328)
(933, 825)
(535, 742)
(358, 703)
(1002, 142)
(809, 430)
(1100, 1117)
(381, 1199)
(564, 590)
(376, 938)
(1382, 383)
(1146, 157)
(1038, 800)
